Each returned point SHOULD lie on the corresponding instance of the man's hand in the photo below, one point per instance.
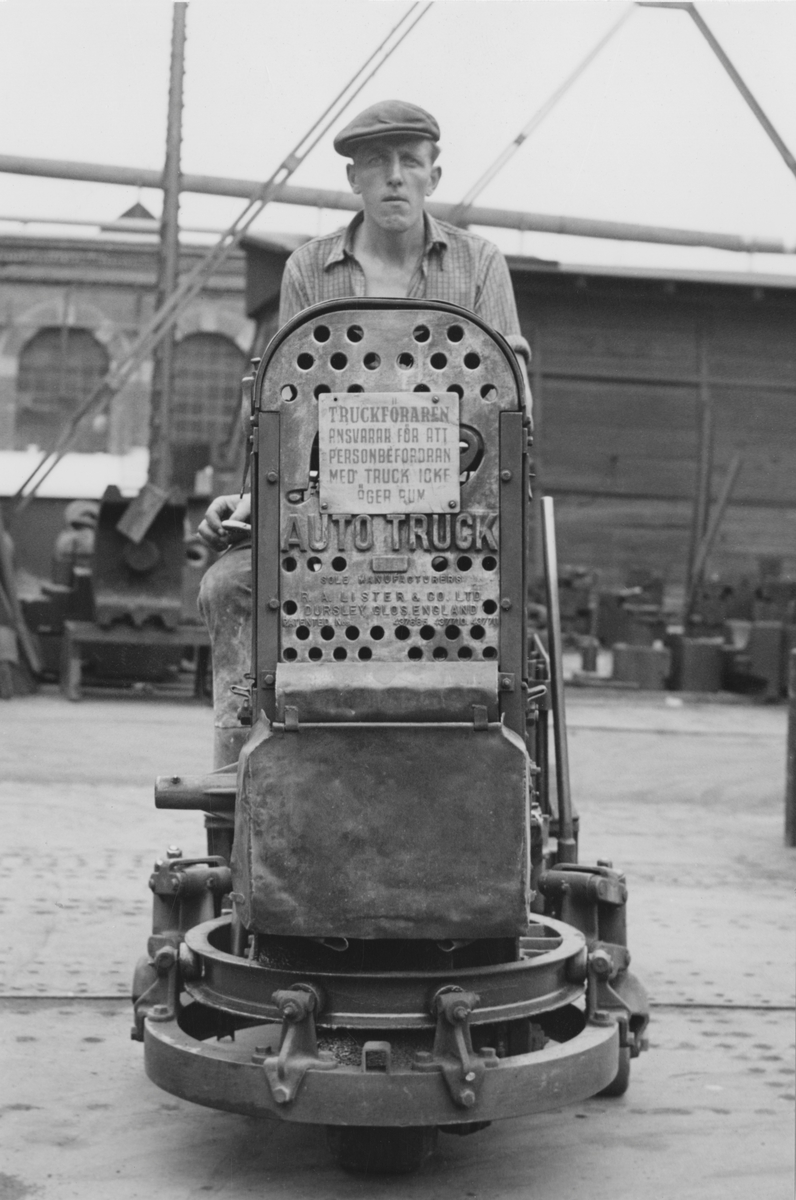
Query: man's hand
(225, 508)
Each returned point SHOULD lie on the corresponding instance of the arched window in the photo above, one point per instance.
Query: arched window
(58, 368)
(208, 368)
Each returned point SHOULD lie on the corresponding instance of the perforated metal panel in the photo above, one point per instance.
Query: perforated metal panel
(363, 584)
(388, 498)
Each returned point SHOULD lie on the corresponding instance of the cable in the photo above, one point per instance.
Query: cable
(734, 74)
(459, 212)
(191, 284)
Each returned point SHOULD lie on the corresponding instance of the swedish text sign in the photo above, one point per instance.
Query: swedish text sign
(388, 452)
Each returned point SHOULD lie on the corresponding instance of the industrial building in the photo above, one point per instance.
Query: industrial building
(637, 375)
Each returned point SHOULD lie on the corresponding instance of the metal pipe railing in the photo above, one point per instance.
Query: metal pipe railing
(307, 197)
(567, 846)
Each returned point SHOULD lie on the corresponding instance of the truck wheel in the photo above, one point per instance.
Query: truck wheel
(619, 1084)
(380, 1150)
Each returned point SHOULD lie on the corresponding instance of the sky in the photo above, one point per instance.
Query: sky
(654, 132)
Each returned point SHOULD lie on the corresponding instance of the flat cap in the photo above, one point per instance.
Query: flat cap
(386, 118)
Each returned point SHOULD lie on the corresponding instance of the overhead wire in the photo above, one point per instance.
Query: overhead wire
(733, 72)
(191, 284)
(459, 213)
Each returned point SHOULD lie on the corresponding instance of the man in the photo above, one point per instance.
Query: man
(391, 248)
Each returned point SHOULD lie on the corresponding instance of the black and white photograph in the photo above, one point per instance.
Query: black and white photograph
(397, 599)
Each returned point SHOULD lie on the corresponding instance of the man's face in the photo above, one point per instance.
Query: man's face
(393, 176)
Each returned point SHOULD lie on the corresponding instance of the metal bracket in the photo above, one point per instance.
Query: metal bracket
(480, 716)
(614, 994)
(161, 999)
(377, 1056)
(463, 1070)
(298, 1046)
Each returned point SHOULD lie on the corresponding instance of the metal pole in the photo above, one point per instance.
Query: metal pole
(168, 265)
(747, 94)
(537, 386)
(309, 197)
(567, 848)
(701, 511)
(733, 73)
(461, 215)
(706, 545)
(191, 284)
(790, 781)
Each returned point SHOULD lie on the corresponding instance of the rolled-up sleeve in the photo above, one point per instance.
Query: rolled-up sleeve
(293, 297)
(495, 303)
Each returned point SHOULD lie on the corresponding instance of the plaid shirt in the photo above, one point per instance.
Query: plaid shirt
(456, 266)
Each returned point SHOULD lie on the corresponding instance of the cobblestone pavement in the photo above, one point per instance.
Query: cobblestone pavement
(687, 798)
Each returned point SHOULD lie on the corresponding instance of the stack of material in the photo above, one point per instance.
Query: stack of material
(19, 659)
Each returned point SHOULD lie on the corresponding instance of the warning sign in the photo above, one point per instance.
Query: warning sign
(385, 452)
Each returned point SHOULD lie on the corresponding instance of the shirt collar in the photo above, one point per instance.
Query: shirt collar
(343, 245)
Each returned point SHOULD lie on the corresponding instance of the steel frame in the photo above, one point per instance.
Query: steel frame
(227, 1075)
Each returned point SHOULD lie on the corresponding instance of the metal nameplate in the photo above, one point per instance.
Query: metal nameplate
(389, 452)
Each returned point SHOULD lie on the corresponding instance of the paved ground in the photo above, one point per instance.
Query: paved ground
(686, 797)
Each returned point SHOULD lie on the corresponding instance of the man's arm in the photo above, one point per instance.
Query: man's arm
(293, 297)
(225, 508)
(496, 305)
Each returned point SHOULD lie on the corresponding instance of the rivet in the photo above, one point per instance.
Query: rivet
(506, 604)
(435, 399)
(324, 505)
(272, 477)
(451, 504)
(505, 476)
(273, 603)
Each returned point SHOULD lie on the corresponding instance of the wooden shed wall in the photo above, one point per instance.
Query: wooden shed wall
(623, 365)
(622, 370)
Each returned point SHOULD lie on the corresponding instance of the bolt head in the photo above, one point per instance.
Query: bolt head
(324, 505)
(269, 680)
(505, 476)
(281, 1095)
(273, 602)
(451, 504)
(601, 963)
(272, 477)
(467, 1098)
(505, 604)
